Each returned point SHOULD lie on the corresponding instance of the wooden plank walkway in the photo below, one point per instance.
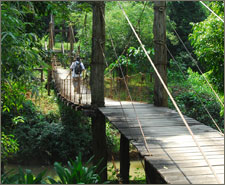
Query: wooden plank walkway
(174, 155)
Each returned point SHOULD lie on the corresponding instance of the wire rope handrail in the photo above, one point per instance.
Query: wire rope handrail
(65, 88)
(171, 97)
(212, 11)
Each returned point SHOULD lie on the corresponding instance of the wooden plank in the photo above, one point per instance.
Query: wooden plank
(135, 132)
(185, 163)
(149, 123)
(186, 143)
(190, 150)
(184, 156)
(181, 148)
(172, 170)
(205, 179)
(193, 175)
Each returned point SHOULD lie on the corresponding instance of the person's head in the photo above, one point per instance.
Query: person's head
(78, 59)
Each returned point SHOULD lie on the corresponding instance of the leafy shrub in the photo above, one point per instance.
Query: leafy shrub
(52, 142)
(188, 98)
(191, 106)
(9, 146)
(23, 178)
(76, 173)
(71, 117)
(112, 139)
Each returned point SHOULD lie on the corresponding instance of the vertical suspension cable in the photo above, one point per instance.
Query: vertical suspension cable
(171, 97)
(139, 123)
(123, 112)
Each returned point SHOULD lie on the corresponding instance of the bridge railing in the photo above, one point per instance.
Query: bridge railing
(76, 92)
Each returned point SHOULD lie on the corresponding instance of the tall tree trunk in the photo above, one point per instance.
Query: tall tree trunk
(160, 59)
(97, 87)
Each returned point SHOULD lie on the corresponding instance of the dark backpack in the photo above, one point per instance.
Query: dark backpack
(78, 68)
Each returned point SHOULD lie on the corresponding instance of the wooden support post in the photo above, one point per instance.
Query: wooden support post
(49, 80)
(62, 48)
(98, 63)
(64, 87)
(2, 167)
(70, 87)
(147, 173)
(42, 76)
(152, 175)
(160, 59)
(99, 143)
(71, 43)
(51, 45)
(67, 90)
(124, 159)
(97, 86)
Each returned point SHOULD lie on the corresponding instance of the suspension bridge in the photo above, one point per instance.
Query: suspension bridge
(171, 154)
(175, 148)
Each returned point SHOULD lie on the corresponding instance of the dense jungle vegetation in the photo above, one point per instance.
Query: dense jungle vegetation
(37, 128)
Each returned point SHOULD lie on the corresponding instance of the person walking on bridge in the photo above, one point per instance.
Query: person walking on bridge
(77, 68)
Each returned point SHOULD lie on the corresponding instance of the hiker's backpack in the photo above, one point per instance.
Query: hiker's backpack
(78, 68)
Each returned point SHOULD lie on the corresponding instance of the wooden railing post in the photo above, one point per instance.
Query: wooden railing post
(160, 58)
(97, 86)
(111, 94)
(67, 94)
(64, 85)
(124, 159)
(70, 87)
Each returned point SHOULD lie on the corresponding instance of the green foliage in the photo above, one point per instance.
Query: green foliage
(190, 104)
(9, 146)
(181, 13)
(76, 173)
(139, 60)
(208, 41)
(112, 139)
(51, 142)
(139, 177)
(117, 26)
(19, 56)
(23, 178)
(63, 59)
(174, 74)
(134, 62)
